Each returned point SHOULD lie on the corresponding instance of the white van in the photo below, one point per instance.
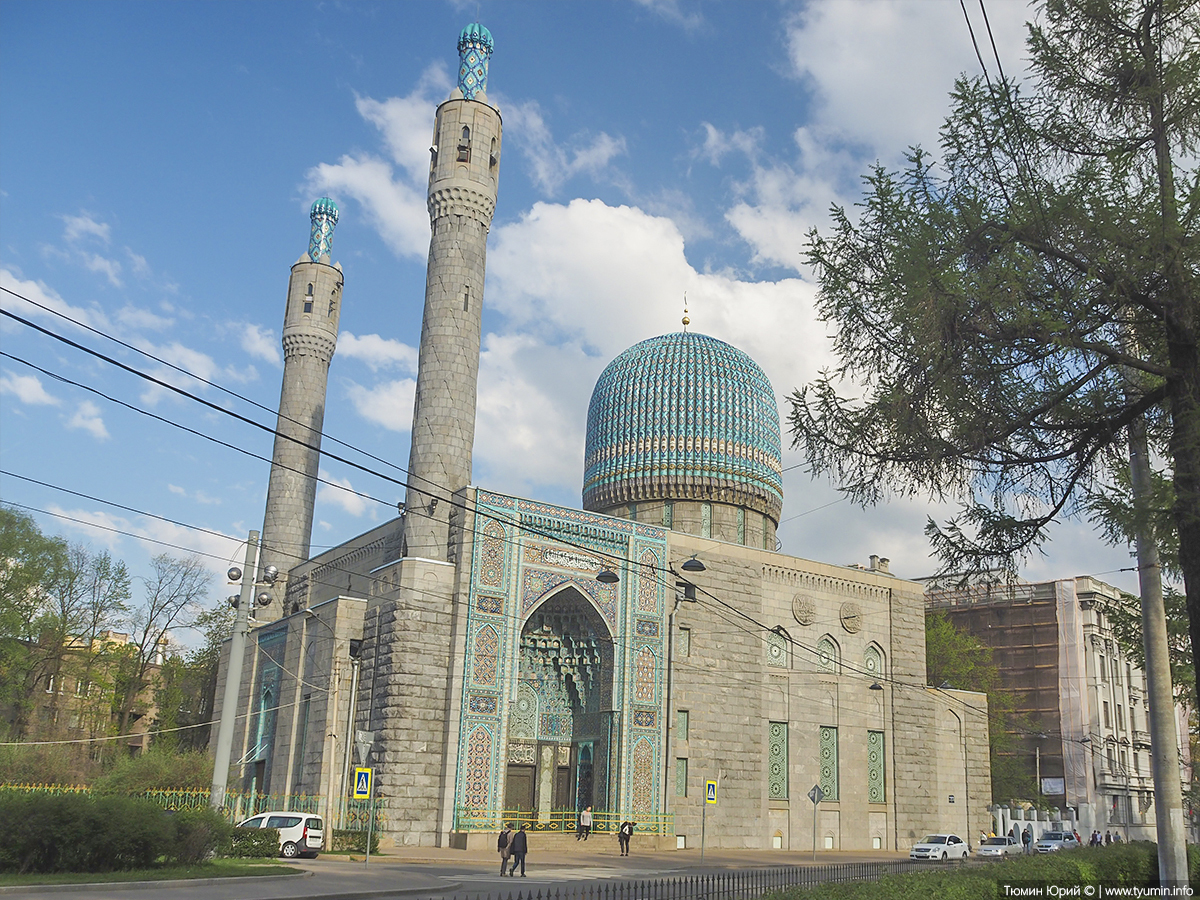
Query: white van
(300, 834)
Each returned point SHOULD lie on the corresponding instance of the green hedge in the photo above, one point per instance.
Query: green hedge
(253, 843)
(199, 835)
(344, 839)
(74, 833)
(1118, 865)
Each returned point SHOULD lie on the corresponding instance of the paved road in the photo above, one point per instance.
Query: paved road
(432, 873)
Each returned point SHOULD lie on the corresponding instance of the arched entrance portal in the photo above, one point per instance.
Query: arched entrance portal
(560, 727)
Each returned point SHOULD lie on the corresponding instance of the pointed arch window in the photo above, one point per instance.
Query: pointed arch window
(308, 299)
(828, 657)
(464, 145)
(873, 661)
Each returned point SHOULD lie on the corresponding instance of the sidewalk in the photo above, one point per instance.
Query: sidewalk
(420, 872)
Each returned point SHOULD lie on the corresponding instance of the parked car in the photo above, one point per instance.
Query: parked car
(998, 847)
(300, 834)
(940, 846)
(1053, 841)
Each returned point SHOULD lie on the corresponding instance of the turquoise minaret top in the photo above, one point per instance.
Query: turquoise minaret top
(474, 50)
(324, 217)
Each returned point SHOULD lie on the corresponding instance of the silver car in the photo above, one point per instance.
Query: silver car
(1053, 841)
(997, 847)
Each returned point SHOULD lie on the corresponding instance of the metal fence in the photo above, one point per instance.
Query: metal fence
(238, 805)
(560, 820)
(748, 884)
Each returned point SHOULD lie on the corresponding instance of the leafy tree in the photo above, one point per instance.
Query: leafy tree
(1004, 317)
(173, 595)
(187, 685)
(957, 659)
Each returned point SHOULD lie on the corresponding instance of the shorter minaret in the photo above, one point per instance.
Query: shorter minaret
(310, 329)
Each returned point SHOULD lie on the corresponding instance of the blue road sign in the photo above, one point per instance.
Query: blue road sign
(710, 792)
(362, 783)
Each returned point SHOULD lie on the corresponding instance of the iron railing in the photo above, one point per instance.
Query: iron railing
(561, 820)
(747, 884)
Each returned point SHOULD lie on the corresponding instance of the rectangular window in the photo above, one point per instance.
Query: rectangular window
(1107, 720)
(1116, 671)
(829, 761)
(1121, 718)
(681, 777)
(1103, 668)
(706, 519)
(876, 780)
(685, 642)
(777, 761)
(681, 724)
(741, 525)
(669, 514)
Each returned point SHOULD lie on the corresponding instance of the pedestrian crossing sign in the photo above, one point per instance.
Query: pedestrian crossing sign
(363, 778)
(710, 792)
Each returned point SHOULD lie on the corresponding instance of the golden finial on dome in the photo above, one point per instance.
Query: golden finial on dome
(686, 320)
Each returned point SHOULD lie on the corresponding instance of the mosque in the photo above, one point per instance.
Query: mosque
(651, 655)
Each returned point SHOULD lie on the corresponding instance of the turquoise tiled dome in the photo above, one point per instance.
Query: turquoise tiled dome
(683, 416)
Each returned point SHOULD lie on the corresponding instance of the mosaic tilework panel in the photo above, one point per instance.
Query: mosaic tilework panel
(492, 556)
(487, 604)
(642, 777)
(522, 754)
(477, 774)
(644, 681)
(551, 726)
(649, 581)
(482, 704)
(828, 749)
(644, 718)
(777, 761)
(876, 782)
(645, 628)
(522, 718)
(485, 658)
(536, 583)
(474, 50)
(777, 650)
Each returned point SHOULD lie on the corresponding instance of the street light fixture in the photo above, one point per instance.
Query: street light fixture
(693, 565)
(607, 576)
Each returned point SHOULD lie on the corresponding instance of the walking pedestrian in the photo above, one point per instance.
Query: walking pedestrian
(585, 824)
(504, 845)
(1108, 837)
(520, 846)
(624, 833)
(1027, 837)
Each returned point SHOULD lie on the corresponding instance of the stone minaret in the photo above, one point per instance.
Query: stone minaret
(463, 171)
(310, 329)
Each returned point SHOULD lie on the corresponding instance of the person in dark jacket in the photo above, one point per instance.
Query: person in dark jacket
(520, 846)
(624, 833)
(504, 846)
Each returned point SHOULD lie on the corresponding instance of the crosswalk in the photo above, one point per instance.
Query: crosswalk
(553, 874)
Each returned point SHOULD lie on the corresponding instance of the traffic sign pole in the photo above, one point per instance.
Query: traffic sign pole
(816, 795)
(710, 799)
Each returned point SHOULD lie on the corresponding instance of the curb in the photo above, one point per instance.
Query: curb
(148, 885)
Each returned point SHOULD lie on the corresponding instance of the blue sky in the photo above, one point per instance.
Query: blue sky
(157, 162)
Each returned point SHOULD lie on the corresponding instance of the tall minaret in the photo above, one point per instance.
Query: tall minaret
(463, 170)
(310, 329)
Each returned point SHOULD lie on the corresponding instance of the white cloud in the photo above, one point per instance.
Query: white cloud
(28, 389)
(389, 403)
(41, 294)
(176, 489)
(882, 69)
(672, 11)
(83, 227)
(133, 317)
(377, 352)
(551, 164)
(717, 143)
(341, 494)
(396, 208)
(261, 343)
(87, 418)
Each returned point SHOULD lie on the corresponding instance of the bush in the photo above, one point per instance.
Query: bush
(157, 770)
(199, 835)
(253, 843)
(75, 833)
(344, 839)
(42, 764)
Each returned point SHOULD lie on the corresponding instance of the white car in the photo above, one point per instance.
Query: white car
(940, 846)
(997, 847)
(300, 834)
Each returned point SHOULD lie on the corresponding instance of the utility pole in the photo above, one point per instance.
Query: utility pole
(233, 673)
